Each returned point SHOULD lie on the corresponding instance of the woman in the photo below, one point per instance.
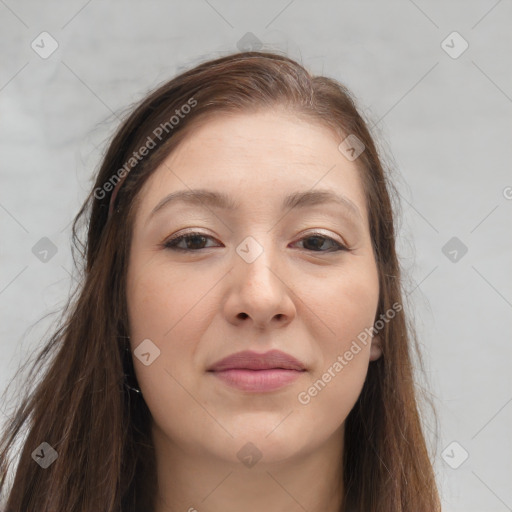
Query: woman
(239, 340)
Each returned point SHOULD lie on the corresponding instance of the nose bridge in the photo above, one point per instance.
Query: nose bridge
(256, 257)
(259, 272)
(257, 288)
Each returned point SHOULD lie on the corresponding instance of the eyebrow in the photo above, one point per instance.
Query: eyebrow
(220, 200)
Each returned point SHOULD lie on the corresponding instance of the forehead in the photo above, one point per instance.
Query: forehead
(284, 135)
(257, 158)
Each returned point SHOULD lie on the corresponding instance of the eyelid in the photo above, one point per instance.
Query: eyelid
(183, 234)
(342, 245)
(338, 239)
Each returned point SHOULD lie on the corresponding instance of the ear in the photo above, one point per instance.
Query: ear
(375, 348)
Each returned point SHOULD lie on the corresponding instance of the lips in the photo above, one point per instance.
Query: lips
(249, 360)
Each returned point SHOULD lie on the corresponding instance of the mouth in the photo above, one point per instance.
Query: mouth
(256, 372)
(258, 380)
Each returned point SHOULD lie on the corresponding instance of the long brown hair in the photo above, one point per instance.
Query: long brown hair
(83, 404)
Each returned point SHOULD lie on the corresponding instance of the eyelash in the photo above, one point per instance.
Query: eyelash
(171, 243)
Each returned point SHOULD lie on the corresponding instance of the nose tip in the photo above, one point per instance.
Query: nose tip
(257, 291)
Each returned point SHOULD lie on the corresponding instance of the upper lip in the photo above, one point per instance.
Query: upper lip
(250, 360)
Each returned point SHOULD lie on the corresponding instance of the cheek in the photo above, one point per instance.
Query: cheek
(160, 301)
(165, 309)
(173, 313)
(347, 309)
(347, 305)
(332, 394)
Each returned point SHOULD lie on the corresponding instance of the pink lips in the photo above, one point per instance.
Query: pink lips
(251, 371)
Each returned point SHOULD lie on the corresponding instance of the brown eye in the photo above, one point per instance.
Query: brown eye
(316, 241)
(193, 242)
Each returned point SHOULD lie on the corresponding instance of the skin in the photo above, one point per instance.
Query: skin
(311, 303)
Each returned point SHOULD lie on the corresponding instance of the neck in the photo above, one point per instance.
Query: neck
(189, 481)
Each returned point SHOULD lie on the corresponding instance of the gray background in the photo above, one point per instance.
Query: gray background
(443, 122)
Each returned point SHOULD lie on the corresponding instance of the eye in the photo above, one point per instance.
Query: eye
(317, 241)
(193, 242)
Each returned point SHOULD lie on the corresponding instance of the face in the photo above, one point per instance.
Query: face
(263, 275)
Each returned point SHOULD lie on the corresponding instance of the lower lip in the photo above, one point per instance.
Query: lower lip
(258, 380)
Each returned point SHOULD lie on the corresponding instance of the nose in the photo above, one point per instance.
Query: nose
(259, 292)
